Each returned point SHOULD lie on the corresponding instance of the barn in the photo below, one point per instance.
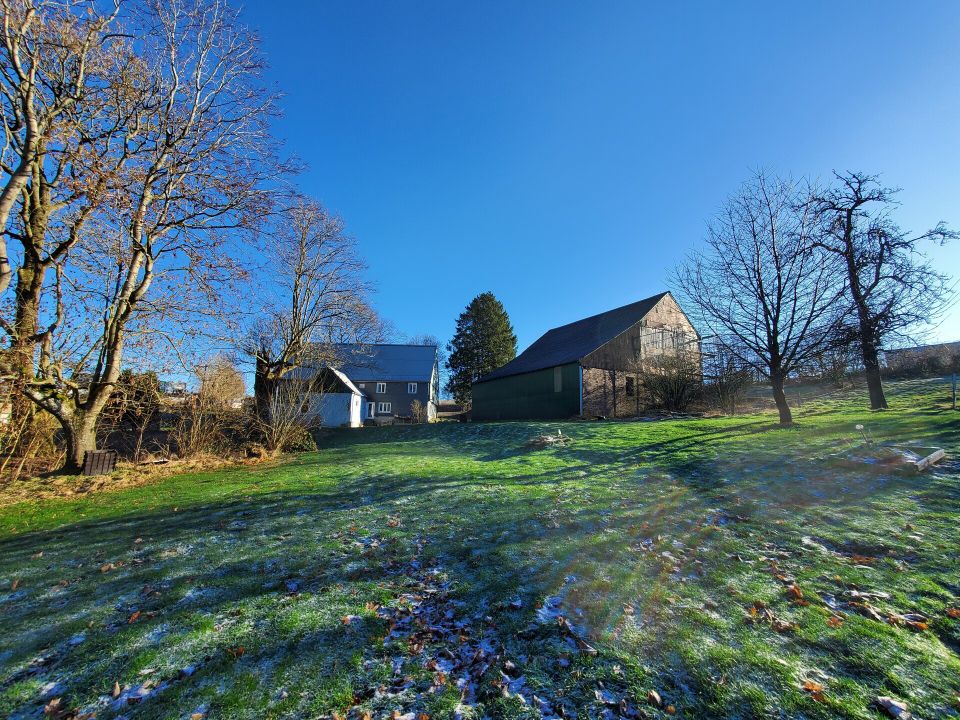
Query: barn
(586, 368)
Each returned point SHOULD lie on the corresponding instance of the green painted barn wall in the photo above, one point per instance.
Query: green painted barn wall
(529, 396)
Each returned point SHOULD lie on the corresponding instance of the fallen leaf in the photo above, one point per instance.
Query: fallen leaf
(671, 709)
(835, 621)
(812, 686)
(393, 522)
(954, 613)
(116, 690)
(197, 716)
(795, 591)
(236, 652)
(654, 697)
(107, 567)
(133, 618)
(15, 584)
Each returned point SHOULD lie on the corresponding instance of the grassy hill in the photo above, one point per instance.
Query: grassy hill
(688, 568)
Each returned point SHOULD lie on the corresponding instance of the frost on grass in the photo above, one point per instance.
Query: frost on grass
(702, 568)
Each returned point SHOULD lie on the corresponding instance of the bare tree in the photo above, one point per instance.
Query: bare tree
(221, 382)
(289, 420)
(892, 287)
(760, 286)
(320, 298)
(727, 378)
(50, 54)
(61, 65)
(189, 155)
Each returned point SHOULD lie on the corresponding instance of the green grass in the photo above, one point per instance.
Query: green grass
(375, 574)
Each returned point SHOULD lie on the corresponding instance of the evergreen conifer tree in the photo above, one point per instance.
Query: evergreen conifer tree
(484, 341)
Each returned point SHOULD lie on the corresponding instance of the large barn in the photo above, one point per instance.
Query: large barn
(587, 368)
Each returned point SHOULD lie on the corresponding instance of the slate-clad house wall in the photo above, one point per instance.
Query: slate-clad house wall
(389, 377)
(585, 368)
(392, 376)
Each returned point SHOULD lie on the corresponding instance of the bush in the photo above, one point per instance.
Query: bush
(299, 439)
(417, 412)
(673, 380)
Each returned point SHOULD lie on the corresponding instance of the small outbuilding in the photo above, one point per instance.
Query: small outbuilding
(340, 404)
(589, 367)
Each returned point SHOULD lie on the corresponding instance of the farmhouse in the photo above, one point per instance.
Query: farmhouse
(376, 382)
(587, 368)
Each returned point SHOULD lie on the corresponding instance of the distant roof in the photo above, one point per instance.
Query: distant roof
(386, 362)
(570, 343)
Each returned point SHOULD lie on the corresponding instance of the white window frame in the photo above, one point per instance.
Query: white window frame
(384, 407)
(381, 387)
(411, 388)
(361, 385)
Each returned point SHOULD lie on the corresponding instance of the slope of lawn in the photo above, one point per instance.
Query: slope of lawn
(686, 568)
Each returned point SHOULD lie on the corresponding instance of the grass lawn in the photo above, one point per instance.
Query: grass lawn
(690, 568)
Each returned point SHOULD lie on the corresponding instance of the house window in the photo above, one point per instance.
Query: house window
(384, 407)
(362, 385)
(412, 388)
(631, 388)
(557, 379)
(381, 387)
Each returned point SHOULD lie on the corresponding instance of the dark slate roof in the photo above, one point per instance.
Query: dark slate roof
(570, 343)
(385, 362)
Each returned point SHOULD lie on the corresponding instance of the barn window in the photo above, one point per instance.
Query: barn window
(631, 388)
(381, 387)
(557, 379)
(411, 388)
(361, 386)
(384, 407)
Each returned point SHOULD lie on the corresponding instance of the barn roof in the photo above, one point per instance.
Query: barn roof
(569, 343)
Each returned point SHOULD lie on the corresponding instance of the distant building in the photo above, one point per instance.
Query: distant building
(586, 368)
(174, 388)
(376, 382)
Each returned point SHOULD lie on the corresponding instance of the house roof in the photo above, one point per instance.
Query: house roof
(346, 381)
(384, 362)
(569, 343)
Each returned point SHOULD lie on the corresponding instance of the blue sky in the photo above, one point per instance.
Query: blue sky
(565, 155)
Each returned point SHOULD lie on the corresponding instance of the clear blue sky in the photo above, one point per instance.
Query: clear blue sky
(565, 155)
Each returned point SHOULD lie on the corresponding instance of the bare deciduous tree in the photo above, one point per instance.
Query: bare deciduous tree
(891, 286)
(727, 378)
(760, 285)
(188, 156)
(321, 298)
(289, 419)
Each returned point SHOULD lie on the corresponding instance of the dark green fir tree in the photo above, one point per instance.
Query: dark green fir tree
(483, 342)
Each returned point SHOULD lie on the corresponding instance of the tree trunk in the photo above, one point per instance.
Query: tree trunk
(780, 398)
(80, 433)
(871, 366)
(261, 389)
